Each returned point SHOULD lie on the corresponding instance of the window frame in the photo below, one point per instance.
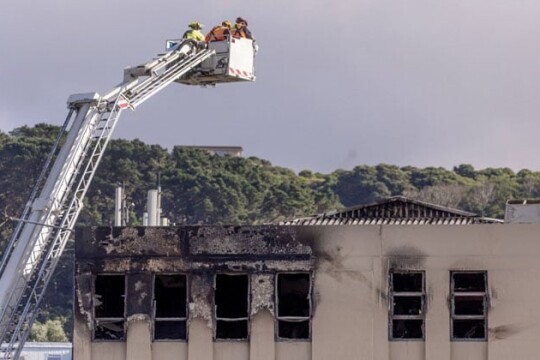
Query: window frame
(108, 319)
(392, 294)
(248, 310)
(169, 319)
(290, 319)
(485, 299)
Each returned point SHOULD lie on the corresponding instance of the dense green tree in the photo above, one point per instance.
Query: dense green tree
(488, 197)
(449, 195)
(22, 155)
(465, 170)
(528, 183)
(360, 186)
(204, 188)
(52, 330)
(431, 176)
(323, 188)
(395, 179)
(496, 172)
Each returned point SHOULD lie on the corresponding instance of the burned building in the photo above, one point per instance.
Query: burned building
(399, 279)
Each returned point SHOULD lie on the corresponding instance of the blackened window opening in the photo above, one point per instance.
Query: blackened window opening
(469, 305)
(109, 305)
(407, 305)
(469, 282)
(407, 282)
(109, 296)
(293, 292)
(469, 329)
(231, 306)
(170, 304)
(407, 329)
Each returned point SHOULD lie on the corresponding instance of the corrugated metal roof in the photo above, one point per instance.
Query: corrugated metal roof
(396, 210)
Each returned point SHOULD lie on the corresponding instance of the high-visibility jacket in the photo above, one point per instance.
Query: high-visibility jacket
(194, 34)
(218, 33)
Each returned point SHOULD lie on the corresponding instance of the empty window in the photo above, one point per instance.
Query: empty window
(109, 300)
(469, 305)
(170, 307)
(293, 300)
(231, 306)
(407, 305)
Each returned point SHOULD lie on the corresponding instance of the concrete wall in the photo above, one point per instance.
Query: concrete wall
(350, 295)
(352, 288)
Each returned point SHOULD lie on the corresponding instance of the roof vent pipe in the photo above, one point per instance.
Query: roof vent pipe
(119, 207)
(152, 208)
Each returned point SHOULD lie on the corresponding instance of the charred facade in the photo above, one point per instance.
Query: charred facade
(222, 275)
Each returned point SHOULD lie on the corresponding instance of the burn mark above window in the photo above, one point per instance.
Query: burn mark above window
(231, 306)
(170, 306)
(469, 305)
(407, 305)
(293, 298)
(109, 307)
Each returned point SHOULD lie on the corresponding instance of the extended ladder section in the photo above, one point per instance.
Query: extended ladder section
(163, 71)
(50, 214)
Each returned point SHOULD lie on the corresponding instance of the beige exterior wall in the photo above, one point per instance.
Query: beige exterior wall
(350, 297)
(165, 350)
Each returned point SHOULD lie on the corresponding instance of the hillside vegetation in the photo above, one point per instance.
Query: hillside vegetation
(199, 188)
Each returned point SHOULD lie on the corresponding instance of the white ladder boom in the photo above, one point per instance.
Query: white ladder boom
(45, 226)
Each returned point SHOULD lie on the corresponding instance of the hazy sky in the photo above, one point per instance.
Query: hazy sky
(339, 82)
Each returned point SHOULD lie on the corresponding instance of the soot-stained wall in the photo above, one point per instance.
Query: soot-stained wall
(200, 251)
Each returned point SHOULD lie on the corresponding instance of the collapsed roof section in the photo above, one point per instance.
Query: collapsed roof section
(397, 210)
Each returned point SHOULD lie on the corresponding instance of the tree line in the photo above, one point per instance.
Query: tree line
(200, 188)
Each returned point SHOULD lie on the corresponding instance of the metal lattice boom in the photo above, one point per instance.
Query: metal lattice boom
(50, 214)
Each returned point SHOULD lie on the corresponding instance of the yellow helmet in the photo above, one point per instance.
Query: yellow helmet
(195, 25)
(227, 23)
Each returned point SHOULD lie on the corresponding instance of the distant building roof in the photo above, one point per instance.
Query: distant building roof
(397, 210)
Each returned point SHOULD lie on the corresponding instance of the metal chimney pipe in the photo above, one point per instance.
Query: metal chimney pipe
(152, 208)
(118, 201)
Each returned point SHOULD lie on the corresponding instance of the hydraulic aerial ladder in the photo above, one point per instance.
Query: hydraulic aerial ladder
(47, 221)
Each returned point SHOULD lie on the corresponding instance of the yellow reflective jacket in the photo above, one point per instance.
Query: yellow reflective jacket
(194, 34)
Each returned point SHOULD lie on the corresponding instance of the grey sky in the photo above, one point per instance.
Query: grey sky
(340, 83)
